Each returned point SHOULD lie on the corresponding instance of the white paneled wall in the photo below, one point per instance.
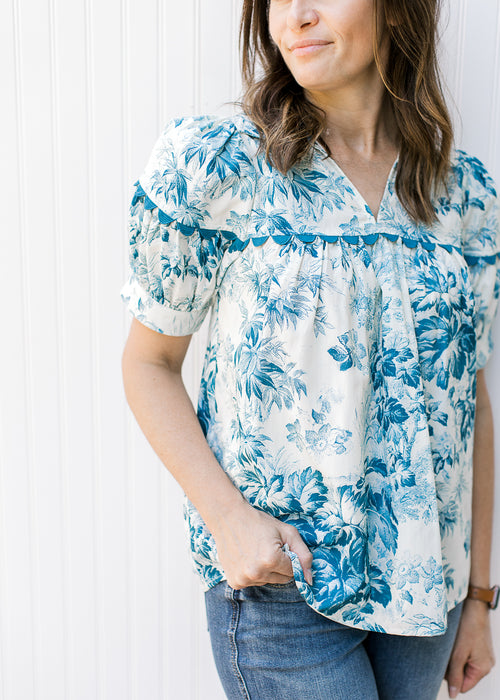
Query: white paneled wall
(97, 597)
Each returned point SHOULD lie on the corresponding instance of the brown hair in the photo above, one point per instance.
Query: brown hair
(289, 124)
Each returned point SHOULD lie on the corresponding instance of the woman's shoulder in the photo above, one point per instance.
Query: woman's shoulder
(202, 172)
(205, 145)
(208, 125)
(201, 148)
(474, 190)
(470, 175)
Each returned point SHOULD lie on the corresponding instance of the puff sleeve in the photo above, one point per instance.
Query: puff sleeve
(481, 249)
(190, 208)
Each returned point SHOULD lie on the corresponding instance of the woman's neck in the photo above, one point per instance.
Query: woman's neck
(361, 124)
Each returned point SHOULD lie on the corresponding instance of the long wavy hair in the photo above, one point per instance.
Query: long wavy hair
(289, 124)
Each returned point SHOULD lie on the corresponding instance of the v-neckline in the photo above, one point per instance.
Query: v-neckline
(362, 201)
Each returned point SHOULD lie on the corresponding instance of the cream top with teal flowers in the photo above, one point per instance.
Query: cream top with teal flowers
(338, 387)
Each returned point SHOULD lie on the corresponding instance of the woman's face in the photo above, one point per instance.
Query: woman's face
(326, 44)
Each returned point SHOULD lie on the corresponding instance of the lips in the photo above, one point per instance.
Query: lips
(309, 44)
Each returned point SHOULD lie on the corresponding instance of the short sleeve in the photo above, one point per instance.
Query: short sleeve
(481, 249)
(173, 275)
(190, 209)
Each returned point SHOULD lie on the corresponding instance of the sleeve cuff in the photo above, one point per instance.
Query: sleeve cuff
(159, 317)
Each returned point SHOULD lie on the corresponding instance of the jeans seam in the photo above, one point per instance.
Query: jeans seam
(235, 618)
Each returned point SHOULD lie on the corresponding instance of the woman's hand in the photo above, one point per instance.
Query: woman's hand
(250, 548)
(249, 542)
(472, 656)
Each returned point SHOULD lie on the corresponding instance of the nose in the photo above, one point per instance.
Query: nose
(301, 14)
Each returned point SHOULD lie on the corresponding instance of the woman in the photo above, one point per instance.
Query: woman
(351, 262)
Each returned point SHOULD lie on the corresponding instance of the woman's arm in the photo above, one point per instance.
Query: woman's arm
(483, 487)
(249, 541)
(472, 656)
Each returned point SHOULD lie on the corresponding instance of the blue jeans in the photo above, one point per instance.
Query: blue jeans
(268, 644)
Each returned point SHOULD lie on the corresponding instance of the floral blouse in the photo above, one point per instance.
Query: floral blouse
(339, 381)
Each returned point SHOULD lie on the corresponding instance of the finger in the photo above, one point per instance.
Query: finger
(295, 542)
(455, 674)
(473, 674)
(259, 571)
(283, 566)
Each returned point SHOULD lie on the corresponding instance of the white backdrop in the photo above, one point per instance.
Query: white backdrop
(97, 597)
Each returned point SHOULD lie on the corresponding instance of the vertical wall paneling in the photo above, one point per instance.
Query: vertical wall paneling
(25, 559)
(128, 668)
(95, 467)
(61, 661)
(197, 53)
(215, 50)
(494, 148)
(98, 598)
(14, 449)
(459, 56)
(77, 214)
(451, 34)
(478, 77)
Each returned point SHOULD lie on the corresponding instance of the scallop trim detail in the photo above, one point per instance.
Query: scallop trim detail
(237, 244)
(476, 259)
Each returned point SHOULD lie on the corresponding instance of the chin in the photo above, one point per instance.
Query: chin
(317, 86)
(311, 82)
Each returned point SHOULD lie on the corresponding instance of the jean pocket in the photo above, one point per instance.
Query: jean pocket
(287, 584)
(273, 593)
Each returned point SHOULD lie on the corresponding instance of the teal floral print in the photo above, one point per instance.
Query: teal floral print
(339, 380)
